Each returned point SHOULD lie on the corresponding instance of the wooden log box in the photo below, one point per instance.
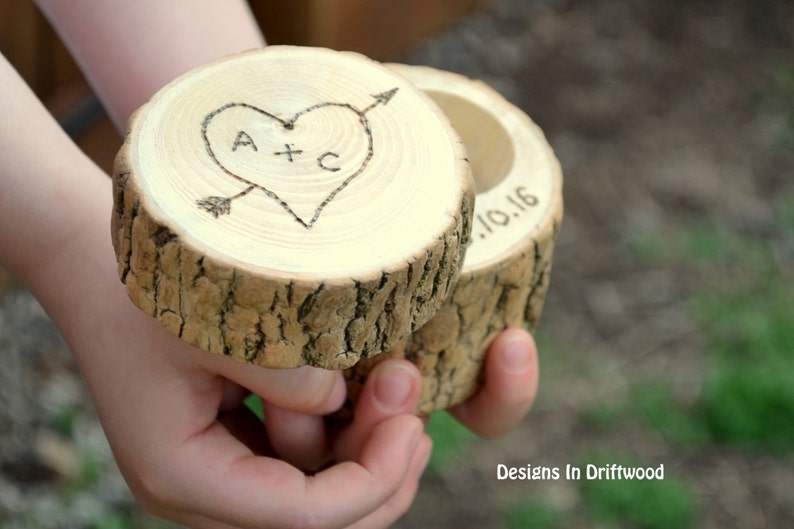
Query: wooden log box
(518, 211)
(291, 206)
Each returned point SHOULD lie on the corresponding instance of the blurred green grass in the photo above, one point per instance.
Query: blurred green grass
(748, 396)
(450, 440)
(748, 324)
(663, 504)
(745, 311)
(532, 513)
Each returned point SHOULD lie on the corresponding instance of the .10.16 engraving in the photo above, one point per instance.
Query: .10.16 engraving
(516, 204)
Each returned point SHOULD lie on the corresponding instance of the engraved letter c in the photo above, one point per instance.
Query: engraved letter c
(323, 157)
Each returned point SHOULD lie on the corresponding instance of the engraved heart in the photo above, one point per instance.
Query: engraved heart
(301, 162)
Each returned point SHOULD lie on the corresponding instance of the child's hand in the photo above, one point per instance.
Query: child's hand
(190, 455)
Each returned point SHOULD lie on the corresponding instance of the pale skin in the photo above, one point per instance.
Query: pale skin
(172, 414)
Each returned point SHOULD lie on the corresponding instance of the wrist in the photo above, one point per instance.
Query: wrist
(67, 262)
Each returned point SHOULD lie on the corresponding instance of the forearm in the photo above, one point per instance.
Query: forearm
(55, 207)
(50, 193)
(48, 188)
(55, 203)
(130, 49)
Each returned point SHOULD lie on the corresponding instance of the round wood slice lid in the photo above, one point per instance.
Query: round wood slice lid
(291, 206)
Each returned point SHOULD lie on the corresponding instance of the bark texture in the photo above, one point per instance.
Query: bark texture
(266, 321)
(450, 349)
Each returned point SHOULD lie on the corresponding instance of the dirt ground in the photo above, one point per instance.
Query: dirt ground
(661, 114)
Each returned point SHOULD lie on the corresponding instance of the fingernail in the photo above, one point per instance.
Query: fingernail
(515, 356)
(393, 387)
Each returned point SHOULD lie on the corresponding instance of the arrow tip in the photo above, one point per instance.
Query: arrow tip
(385, 97)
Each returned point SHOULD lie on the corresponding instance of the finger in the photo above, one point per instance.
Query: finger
(385, 516)
(393, 387)
(216, 477)
(401, 501)
(303, 389)
(297, 438)
(511, 383)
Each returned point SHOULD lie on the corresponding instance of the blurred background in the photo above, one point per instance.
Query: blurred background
(668, 332)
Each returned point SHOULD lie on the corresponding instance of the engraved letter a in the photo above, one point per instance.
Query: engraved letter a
(243, 140)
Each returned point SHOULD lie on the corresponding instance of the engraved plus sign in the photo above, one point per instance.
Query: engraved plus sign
(289, 152)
